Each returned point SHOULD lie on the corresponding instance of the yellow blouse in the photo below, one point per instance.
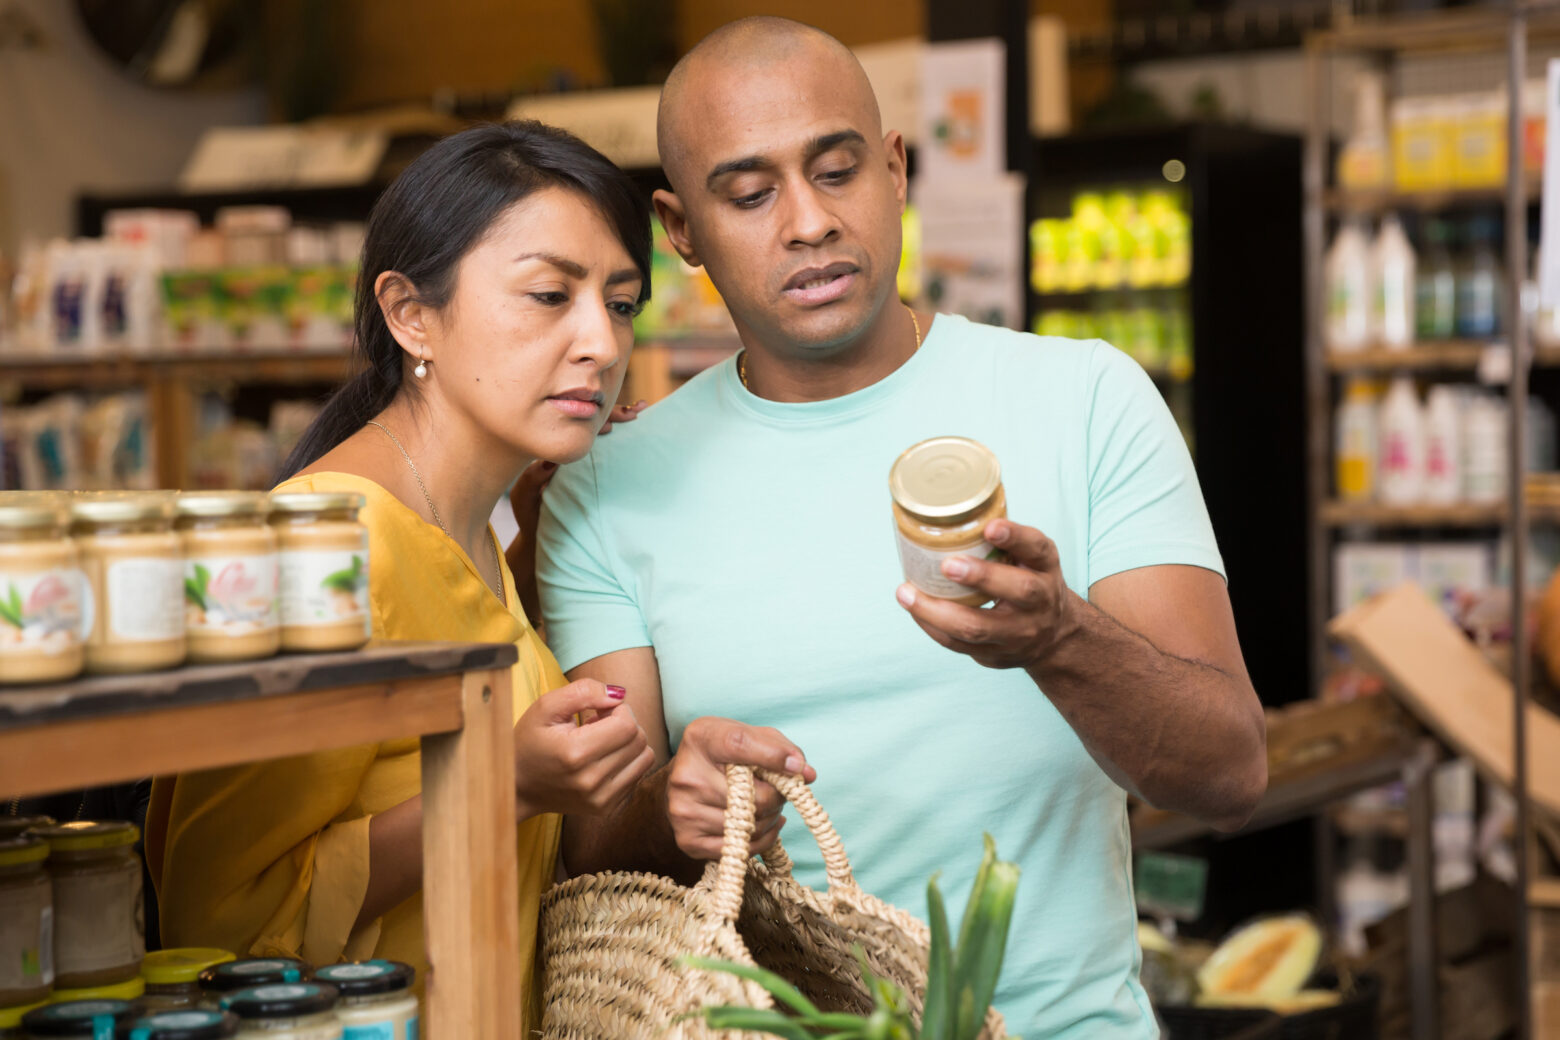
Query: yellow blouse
(272, 858)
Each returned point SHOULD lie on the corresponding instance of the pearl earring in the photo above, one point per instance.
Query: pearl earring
(421, 371)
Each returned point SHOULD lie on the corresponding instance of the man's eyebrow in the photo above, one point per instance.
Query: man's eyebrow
(816, 147)
(563, 264)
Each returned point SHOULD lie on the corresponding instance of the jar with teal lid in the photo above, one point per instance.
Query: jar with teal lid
(290, 1011)
(188, 1024)
(377, 1001)
(11, 1020)
(88, 1019)
(219, 980)
(99, 919)
(172, 977)
(26, 923)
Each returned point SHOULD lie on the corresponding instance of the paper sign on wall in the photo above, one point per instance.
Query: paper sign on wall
(963, 110)
(972, 246)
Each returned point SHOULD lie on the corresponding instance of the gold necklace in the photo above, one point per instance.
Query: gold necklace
(742, 357)
(498, 570)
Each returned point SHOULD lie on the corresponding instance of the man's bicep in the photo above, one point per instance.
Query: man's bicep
(636, 671)
(1183, 610)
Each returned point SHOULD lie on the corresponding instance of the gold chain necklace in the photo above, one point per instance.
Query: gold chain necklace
(742, 357)
(498, 570)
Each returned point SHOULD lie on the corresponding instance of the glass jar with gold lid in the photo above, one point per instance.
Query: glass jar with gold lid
(945, 490)
(99, 923)
(41, 606)
(26, 923)
(323, 550)
(134, 564)
(230, 575)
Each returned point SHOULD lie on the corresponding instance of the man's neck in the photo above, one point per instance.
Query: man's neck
(876, 354)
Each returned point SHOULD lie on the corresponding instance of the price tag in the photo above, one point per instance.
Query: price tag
(1171, 886)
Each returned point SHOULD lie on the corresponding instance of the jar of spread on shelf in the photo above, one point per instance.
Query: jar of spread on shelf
(324, 564)
(26, 923)
(172, 977)
(287, 1011)
(219, 980)
(376, 999)
(135, 572)
(230, 576)
(11, 1020)
(41, 609)
(16, 826)
(89, 1019)
(945, 490)
(188, 1024)
(99, 927)
(130, 990)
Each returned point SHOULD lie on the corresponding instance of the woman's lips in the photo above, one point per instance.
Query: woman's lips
(576, 409)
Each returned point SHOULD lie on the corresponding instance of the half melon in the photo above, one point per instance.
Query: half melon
(1265, 962)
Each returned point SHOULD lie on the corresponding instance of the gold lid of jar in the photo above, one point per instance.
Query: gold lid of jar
(944, 479)
(28, 510)
(223, 503)
(117, 507)
(315, 501)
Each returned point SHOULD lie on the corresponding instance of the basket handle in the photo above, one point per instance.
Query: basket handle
(730, 873)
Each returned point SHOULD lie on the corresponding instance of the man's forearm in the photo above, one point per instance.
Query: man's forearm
(638, 836)
(1181, 734)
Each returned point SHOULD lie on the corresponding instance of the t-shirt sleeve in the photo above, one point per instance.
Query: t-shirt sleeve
(588, 609)
(1145, 506)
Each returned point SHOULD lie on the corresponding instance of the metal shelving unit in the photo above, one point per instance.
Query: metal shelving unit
(1506, 31)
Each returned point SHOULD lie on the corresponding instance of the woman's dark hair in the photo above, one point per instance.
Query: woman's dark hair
(432, 216)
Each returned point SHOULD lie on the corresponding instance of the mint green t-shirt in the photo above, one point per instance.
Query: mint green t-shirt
(751, 543)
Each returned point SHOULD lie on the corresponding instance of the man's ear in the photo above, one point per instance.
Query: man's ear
(669, 208)
(898, 166)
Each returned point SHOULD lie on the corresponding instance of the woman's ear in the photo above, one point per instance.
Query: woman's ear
(408, 319)
(669, 208)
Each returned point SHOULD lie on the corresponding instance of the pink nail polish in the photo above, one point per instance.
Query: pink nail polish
(617, 693)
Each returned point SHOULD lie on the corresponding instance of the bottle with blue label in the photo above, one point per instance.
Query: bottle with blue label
(377, 1000)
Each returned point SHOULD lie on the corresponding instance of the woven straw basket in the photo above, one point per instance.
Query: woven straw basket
(611, 942)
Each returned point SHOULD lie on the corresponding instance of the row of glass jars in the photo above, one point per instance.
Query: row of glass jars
(204, 994)
(119, 582)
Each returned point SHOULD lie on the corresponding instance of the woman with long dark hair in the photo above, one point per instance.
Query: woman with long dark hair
(500, 277)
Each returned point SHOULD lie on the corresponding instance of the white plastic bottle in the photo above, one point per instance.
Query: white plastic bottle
(1392, 268)
(1401, 440)
(1485, 449)
(1443, 446)
(1349, 293)
(1355, 443)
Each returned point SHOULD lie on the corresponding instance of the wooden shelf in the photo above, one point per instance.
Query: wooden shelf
(1469, 515)
(454, 696)
(125, 371)
(1545, 893)
(1451, 355)
(1341, 201)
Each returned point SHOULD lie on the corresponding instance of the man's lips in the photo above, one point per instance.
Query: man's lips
(816, 285)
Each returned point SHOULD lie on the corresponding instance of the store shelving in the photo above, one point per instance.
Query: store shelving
(1470, 515)
(455, 697)
(1452, 355)
(1339, 201)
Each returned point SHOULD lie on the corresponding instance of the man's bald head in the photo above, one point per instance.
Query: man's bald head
(725, 57)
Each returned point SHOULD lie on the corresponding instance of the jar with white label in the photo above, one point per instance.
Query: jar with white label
(99, 927)
(135, 576)
(26, 923)
(89, 1019)
(945, 491)
(377, 1002)
(324, 570)
(288, 1011)
(172, 977)
(230, 576)
(40, 590)
(219, 980)
(187, 1024)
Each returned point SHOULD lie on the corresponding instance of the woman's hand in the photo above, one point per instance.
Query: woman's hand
(573, 767)
(622, 413)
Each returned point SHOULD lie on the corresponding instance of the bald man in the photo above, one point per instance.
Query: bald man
(730, 559)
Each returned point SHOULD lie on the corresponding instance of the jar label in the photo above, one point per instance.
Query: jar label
(145, 599)
(26, 960)
(373, 1031)
(98, 923)
(41, 612)
(923, 567)
(230, 595)
(324, 587)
